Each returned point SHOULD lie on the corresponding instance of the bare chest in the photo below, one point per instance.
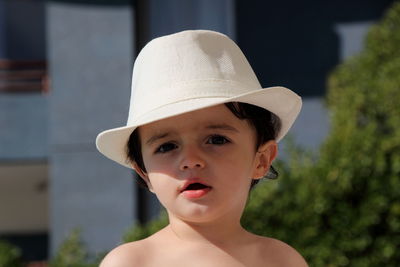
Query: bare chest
(210, 257)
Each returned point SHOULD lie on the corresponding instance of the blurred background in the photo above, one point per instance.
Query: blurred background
(65, 70)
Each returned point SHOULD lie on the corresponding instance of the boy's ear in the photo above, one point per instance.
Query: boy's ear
(266, 153)
(142, 175)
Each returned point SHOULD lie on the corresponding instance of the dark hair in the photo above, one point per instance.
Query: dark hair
(266, 124)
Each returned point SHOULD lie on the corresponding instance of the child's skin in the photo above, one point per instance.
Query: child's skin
(213, 147)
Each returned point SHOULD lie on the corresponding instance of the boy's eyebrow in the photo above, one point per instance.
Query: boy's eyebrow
(222, 126)
(156, 137)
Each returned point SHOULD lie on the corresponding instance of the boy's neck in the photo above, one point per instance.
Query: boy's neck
(220, 232)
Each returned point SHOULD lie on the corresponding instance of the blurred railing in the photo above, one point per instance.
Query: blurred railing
(17, 76)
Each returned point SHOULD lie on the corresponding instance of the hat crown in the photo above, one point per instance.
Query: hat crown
(185, 65)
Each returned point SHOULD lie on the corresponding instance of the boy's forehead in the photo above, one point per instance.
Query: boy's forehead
(217, 117)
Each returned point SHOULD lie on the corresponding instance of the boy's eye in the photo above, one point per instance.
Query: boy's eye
(166, 147)
(217, 140)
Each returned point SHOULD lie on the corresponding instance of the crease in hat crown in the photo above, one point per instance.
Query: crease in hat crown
(190, 70)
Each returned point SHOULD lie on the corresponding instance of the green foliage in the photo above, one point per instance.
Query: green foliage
(138, 232)
(73, 253)
(341, 207)
(10, 256)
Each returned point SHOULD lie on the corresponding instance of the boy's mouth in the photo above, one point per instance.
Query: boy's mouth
(194, 186)
(195, 190)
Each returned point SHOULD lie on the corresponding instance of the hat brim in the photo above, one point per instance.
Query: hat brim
(279, 100)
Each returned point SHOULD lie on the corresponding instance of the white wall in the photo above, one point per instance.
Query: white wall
(90, 52)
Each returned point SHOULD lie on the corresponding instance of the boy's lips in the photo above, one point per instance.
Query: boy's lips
(194, 188)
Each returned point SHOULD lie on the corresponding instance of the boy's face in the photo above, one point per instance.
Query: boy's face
(210, 147)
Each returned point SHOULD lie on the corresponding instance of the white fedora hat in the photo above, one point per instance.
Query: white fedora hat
(187, 71)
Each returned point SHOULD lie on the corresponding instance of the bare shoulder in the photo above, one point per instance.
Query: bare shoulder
(281, 253)
(126, 255)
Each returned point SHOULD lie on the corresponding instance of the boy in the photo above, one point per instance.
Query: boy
(200, 133)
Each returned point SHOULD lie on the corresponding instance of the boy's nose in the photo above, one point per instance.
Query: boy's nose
(191, 159)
